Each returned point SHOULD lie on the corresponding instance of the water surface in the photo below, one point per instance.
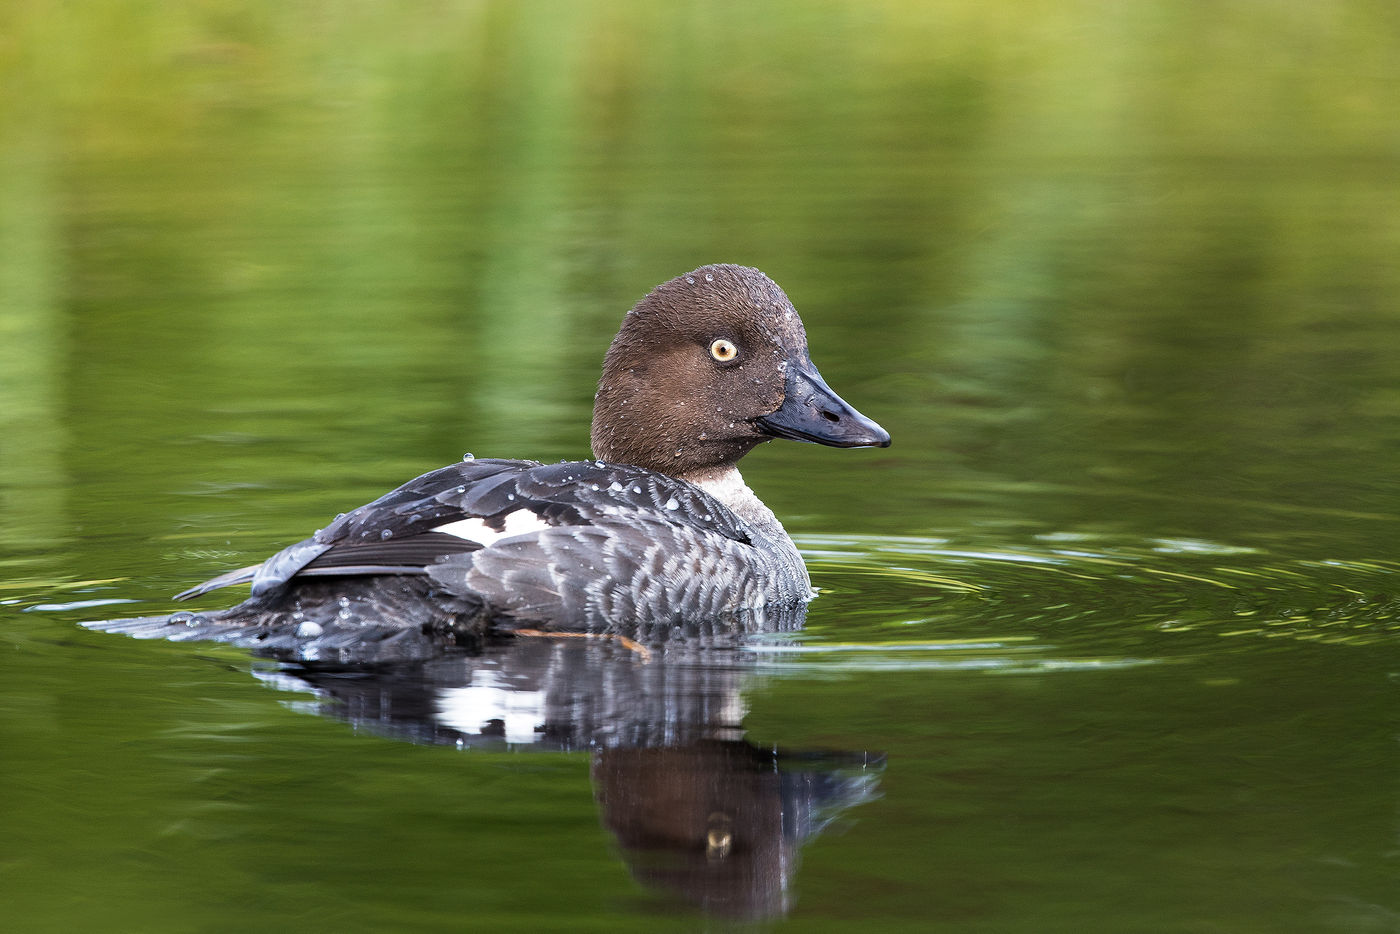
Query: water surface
(1106, 640)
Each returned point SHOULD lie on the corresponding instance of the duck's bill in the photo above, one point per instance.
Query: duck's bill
(811, 411)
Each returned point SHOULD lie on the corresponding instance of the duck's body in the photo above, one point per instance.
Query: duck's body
(572, 546)
(661, 529)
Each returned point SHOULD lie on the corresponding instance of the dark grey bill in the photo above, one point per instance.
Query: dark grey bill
(811, 411)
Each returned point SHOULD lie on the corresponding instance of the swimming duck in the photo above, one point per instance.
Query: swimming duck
(658, 528)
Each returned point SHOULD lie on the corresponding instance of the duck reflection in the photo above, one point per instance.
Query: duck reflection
(719, 822)
(698, 811)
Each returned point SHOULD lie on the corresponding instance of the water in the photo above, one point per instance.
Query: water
(1107, 639)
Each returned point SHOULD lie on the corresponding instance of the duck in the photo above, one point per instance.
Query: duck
(656, 529)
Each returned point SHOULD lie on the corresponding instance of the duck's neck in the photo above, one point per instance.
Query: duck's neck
(726, 485)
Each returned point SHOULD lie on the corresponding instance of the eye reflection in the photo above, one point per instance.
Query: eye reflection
(723, 350)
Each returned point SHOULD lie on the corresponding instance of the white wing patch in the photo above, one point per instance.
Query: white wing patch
(519, 522)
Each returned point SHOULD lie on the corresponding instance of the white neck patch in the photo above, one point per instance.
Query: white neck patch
(729, 488)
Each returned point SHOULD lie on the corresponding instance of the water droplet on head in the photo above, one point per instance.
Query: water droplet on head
(615, 487)
(469, 456)
(184, 618)
(511, 497)
(386, 534)
(709, 278)
(690, 279)
(309, 629)
(672, 503)
(636, 489)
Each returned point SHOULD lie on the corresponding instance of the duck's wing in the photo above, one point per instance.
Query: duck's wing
(392, 535)
(491, 526)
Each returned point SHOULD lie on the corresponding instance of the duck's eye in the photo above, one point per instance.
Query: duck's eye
(723, 350)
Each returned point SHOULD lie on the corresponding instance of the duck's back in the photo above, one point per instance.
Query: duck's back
(580, 546)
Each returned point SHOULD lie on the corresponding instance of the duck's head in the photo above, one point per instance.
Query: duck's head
(706, 367)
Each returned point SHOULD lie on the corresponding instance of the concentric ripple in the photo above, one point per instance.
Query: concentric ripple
(1074, 601)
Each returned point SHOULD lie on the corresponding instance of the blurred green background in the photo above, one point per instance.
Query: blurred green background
(1120, 279)
(227, 219)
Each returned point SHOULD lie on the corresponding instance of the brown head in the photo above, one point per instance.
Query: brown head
(706, 367)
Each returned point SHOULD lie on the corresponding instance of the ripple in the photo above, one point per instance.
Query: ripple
(1088, 588)
(1004, 655)
(77, 605)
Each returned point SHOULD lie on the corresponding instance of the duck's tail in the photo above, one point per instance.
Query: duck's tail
(344, 643)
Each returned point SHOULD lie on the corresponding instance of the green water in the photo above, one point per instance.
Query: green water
(1109, 639)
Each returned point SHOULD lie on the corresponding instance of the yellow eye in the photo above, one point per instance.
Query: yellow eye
(723, 350)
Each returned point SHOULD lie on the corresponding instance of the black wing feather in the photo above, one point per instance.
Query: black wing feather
(414, 551)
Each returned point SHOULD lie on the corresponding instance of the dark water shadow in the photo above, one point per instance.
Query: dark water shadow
(700, 813)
